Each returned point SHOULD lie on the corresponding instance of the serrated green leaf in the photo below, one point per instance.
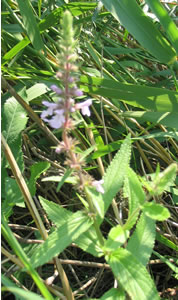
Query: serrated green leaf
(56, 213)
(114, 294)
(61, 238)
(97, 200)
(132, 275)
(115, 173)
(14, 119)
(87, 241)
(136, 196)
(141, 242)
(156, 211)
(36, 170)
(131, 16)
(116, 237)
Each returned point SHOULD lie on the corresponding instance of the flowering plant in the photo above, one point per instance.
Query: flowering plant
(59, 114)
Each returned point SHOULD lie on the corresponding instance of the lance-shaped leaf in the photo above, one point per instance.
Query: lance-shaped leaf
(132, 275)
(116, 237)
(115, 173)
(87, 241)
(136, 196)
(62, 237)
(156, 211)
(142, 240)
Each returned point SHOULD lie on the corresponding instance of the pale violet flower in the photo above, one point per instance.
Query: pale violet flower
(98, 185)
(56, 89)
(57, 113)
(57, 120)
(78, 93)
(49, 111)
(84, 106)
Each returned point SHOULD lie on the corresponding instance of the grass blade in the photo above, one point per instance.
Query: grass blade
(149, 98)
(141, 27)
(30, 24)
(165, 20)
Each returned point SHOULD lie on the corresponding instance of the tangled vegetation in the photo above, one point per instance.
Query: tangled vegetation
(89, 149)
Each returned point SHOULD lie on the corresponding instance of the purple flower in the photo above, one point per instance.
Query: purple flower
(50, 110)
(98, 185)
(78, 93)
(57, 111)
(57, 120)
(84, 106)
(56, 89)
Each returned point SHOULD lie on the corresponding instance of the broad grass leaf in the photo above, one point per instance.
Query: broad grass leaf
(141, 242)
(87, 241)
(132, 275)
(36, 90)
(156, 211)
(131, 16)
(76, 8)
(168, 119)
(61, 238)
(15, 50)
(136, 196)
(165, 241)
(115, 173)
(51, 19)
(30, 24)
(165, 20)
(26, 295)
(162, 135)
(148, 98)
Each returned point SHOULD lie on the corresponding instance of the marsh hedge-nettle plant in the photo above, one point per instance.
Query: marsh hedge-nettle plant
(59, 114)
(126, 253)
